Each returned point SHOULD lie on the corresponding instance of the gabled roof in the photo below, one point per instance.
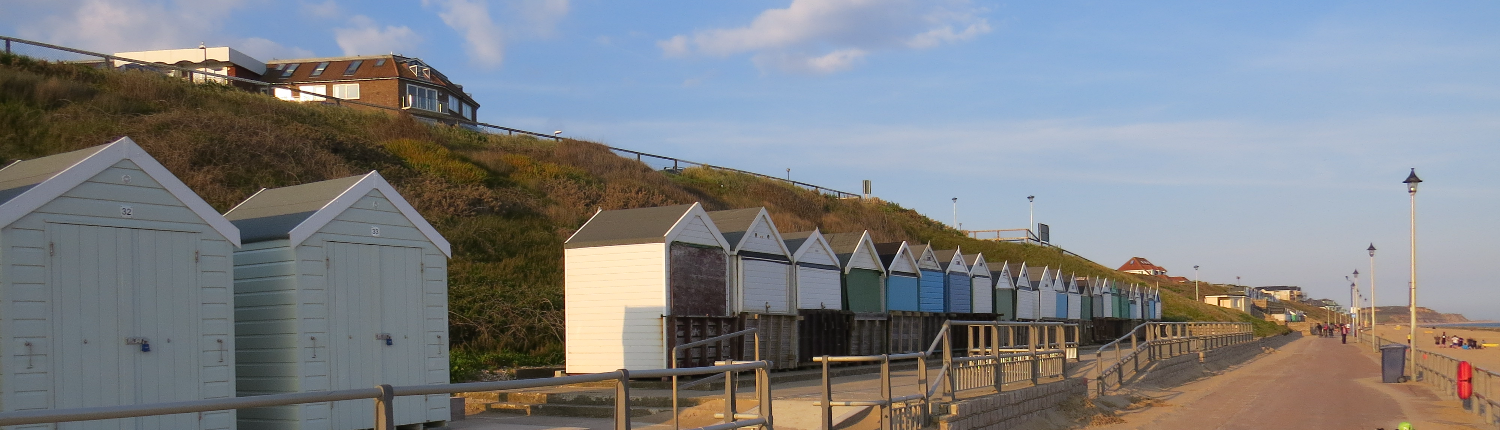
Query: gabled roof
(919, 251)
(845, 245)
(297, 212)
(1141, 264)
(27, 185)
(947, 257)
(735, 224)
(889, 251)
(1002, 274)
(975, 261)
(805, 241)
(637, 226)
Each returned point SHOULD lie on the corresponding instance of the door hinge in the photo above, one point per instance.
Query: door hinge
(51, 249)
(195, 256)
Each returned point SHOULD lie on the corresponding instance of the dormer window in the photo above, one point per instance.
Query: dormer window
(319, 69)
(290, 69)
(353, 67)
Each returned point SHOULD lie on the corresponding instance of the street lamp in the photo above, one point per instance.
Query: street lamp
(1411, 188)
(1373, 321)
(955, 212)
(1196, 296)
(1031, 202)
(1354, 297)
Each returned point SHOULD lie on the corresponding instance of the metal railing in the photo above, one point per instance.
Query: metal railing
(1440, 372)
(730, 408)
(1154, 341)
(989, 360)
(384, 397)
(677, 163)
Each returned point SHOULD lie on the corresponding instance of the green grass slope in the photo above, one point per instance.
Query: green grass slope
(506, 203)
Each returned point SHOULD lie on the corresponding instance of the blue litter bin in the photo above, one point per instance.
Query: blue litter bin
(1392, 363)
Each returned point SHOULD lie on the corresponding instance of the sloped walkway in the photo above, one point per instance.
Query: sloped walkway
(1311, 383)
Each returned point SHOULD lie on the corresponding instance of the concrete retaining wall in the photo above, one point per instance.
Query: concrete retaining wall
(1011, 408)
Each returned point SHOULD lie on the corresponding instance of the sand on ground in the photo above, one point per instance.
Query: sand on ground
(1487, 358)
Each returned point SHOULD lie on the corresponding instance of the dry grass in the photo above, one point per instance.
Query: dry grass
(505, 202)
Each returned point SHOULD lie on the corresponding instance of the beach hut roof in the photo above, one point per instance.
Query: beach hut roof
(297, 212)
(638, 226)
(27, 185)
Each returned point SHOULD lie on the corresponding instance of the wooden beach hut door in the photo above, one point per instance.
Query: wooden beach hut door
(112, 290)
(375, 327)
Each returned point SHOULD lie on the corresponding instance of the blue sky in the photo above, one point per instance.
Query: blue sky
(1265, 140)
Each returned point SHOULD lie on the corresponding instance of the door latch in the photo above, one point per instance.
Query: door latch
(143, 342)
(385, 337)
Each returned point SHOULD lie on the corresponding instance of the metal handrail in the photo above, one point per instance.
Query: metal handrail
(1173, 334)
(341, 101)
(728, 375)
(385, 394)
(929, 388)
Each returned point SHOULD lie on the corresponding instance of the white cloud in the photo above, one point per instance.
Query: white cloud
(827, 36)
(128, 25)
(836, 61)
(485, 38)
(365, 37)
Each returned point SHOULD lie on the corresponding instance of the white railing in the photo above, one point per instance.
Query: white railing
(1154, 341)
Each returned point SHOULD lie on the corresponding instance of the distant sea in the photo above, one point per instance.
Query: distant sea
(1471, 324)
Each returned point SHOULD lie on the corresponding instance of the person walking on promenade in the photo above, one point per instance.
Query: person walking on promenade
(1344, 334)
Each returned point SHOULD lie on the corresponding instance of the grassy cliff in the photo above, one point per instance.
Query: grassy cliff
(506, 203)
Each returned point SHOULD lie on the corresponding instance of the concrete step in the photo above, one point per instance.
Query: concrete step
(566, 410)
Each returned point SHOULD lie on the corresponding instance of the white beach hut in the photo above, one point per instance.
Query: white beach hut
(632, 276)
(115, 279)
(760, 278)
(341, 284)
(983, 296)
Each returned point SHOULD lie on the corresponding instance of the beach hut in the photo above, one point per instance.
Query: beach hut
(902, 276)
(1042, 279)
(115, 279)
(1028, 301)
(1005, 292)
(864, 291)
(863, 271)
(760, 278)
(1100, 300)
(1136, 300)
(1085, 298)
(958, 287)
(1060, 291)
(639, 281)
(983, 297)
(340, 285)
(931, 294)
(823, 326)
(1075, 298)
(901, 284)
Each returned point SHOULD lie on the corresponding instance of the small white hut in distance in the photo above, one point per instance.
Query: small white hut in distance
(625, 270)
(115, 285)
(341, 284)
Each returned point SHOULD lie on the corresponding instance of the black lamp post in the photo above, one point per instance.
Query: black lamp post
(1411, 188)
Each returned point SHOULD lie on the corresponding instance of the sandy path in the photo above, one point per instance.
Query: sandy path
(1312, 383)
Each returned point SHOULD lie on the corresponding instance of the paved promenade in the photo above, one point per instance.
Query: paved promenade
(1312, 383)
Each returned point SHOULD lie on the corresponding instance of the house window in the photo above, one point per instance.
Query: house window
(290, 69)
(346, 91)
(319, 70)
(285, 94)
(380, 62)
(310, 93)
(421, 98)
(353, 67)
